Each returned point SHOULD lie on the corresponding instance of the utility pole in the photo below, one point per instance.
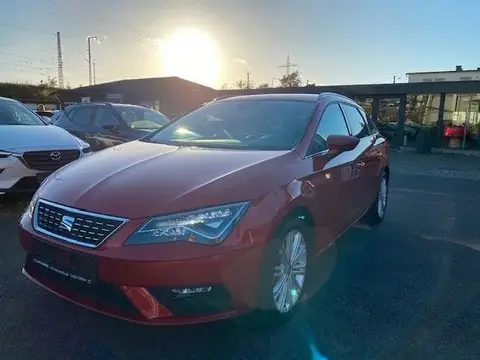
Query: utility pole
(396, 78)
(94, 77)
(288, 65)
(59, 61)
(248, 79)
(89, 39)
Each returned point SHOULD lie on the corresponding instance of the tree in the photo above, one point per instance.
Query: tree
(224, 86)
(242, 84)
(47, 88)
(291, 80)
(264, 86)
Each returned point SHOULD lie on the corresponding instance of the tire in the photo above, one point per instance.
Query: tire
(293, 231)
(377, 210)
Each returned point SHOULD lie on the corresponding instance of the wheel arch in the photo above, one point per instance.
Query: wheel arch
(297, 212)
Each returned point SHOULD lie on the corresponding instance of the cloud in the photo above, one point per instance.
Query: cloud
(240, 61)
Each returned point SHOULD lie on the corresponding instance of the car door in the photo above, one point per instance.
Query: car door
(367, 163)
(108, 130)
(331, 177)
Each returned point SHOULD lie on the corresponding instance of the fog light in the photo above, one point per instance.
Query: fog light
(191, 291)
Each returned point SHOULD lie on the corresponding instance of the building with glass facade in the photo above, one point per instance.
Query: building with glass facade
(447, 110)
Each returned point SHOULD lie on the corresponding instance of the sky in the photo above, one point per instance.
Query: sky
(217, 42)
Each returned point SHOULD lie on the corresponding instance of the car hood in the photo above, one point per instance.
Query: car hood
(20, 138)
(139, 179)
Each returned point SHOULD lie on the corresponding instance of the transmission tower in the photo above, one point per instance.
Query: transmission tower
(60, 61)
(288, 65)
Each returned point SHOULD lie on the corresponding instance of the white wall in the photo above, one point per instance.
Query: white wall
(445, 76)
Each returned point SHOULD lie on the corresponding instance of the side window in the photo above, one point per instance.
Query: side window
(371, 124)
(82, 116)
(358, 125)
(331, 123)
(104, 117)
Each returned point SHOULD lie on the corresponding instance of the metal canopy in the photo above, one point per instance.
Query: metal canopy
(374, 90)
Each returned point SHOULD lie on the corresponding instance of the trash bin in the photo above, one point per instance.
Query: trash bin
(424, 141)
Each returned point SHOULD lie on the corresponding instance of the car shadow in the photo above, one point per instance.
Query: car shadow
(383, 294)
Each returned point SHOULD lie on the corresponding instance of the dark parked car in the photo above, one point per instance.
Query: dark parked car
(104, 124)
(218, 213)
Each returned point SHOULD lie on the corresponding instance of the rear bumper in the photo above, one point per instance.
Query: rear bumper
(147, 292)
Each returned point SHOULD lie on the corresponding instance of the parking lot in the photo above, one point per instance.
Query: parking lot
(406, 290)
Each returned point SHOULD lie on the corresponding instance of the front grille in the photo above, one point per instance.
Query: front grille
(49, 160)
(72, 225)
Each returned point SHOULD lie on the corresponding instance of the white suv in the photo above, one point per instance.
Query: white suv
(30, 149)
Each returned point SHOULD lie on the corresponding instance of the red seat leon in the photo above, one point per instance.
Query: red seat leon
(219, 213)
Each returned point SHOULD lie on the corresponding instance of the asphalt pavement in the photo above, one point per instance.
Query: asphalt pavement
(408, 289)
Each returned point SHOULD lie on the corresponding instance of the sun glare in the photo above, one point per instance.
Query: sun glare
(190, 54)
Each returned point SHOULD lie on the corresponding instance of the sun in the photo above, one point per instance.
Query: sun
(190, 54)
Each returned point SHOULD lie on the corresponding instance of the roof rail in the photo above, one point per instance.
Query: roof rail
(329, 93)
(222, 97)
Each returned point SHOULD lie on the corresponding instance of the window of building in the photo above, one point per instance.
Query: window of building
(439, 79)
(427, 80)
(331, 123)
(356, 122)
(465, 78)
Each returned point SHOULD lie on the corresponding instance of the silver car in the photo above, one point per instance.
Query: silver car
(30, 149)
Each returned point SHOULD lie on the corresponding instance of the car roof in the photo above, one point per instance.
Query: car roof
(289, 96)
(105, 103)
(7, 99)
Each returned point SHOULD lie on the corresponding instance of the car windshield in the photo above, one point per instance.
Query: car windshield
(142, 118)
(15, 113)
(240, 124)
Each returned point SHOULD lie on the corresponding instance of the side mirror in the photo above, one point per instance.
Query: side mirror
(341, 143)
(46, 119)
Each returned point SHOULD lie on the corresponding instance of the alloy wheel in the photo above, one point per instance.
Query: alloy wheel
(290, 271)
(382, 197)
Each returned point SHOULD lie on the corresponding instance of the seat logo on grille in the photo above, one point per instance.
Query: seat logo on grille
(67, 223)
(56, 155)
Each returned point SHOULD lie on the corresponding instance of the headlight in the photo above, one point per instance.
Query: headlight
(86, 150)
(208, 226)
(84, 146)
(31, 206)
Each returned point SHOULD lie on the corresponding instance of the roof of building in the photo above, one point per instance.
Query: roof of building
(442, 72)
(154, 80)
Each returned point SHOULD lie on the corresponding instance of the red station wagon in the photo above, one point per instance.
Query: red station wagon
(217, 214)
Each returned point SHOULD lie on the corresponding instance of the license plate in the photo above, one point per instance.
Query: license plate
(42, 176)
(72, 265)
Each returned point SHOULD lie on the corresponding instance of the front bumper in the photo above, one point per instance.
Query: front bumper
(147, 292)
(16, 177)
